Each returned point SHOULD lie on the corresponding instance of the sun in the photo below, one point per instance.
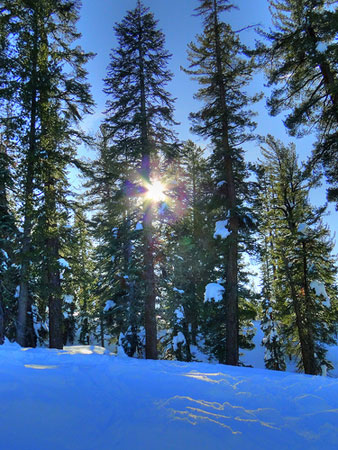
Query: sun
(155, 192)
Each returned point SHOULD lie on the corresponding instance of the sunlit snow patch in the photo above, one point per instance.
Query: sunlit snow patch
(39, 366)
(180, 291)
(68, 298)
(319, 289)
(63, 263)
(109, 305)
(213, 291)
(179, 339)
(84, 350)
(179, 313)
(221, 229)
(17, 292)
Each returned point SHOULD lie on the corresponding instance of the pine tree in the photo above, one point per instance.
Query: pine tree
(139, 114)
(189, 249)
(302, 62)
(299, 249)
(52, 96)
(7, 246)
(81, 286)
(218, 63)
(116, 226)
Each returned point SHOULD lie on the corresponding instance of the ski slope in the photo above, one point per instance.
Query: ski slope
(85, 398)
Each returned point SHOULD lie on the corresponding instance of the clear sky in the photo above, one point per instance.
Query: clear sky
(175, 18)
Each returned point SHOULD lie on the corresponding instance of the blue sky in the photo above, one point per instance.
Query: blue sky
(175, 18)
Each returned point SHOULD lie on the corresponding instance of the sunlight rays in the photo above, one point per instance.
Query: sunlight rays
(155, 192)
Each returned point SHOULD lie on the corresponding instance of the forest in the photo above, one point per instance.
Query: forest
(152, 256)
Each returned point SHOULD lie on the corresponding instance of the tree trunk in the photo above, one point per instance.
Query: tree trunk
(101, 328)
(2, 321)
(327, 75)
(149, 275)
(231, 287)
(23, 300)
(53, 271)
(305, 347)
(308, 315)
(54, 295)
(149, 278)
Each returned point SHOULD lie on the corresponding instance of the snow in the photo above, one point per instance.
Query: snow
(112, 258)
(178, 339)
(319, 289)
(221, 229)
(221, 183)
(63, 263)
(321, 46)
(180, 291)
(213, 291)
(109, 305)
(179, 313)
(139, 226)
(84, 398)
(17, 292)
(68, 299)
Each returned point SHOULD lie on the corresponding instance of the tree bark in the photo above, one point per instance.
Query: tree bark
(308, 316)
(231, 287)
(307, 356)
(327, 75)
(149, 275)
(2, 321)
(23, 300)
(53, 271)
(54, 296)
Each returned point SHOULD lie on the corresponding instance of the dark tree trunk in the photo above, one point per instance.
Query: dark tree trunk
(23, 300)
(101, 329)
(308, 316)
(193, 316)
(2, 321)
(231, 287)
(305, 346)
(53, 271)
(54, 296)
(149, 279)
(149, 275)
(327, 75)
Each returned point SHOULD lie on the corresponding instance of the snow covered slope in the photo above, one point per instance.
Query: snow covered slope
(83, 398)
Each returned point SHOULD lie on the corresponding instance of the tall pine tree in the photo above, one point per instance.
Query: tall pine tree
(302, 285)
(139, 116)
(218, 63)
(50, 98)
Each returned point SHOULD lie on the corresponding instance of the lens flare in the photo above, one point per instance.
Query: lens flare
(155, 192)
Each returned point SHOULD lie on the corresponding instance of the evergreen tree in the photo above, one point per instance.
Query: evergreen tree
(302, 63)
(7, 247)
(117, 228)
(302, 281)
(139, 114)
(218, 63)
(190, 250)
(81, 286)
(52, 96)
(274, 357)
